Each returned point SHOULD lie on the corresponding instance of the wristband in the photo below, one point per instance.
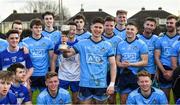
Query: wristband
(111, 84)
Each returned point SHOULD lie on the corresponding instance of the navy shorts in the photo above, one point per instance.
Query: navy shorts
(37, 82)
(127, 81)
(73, 85)
(163, 83)
(86, 93)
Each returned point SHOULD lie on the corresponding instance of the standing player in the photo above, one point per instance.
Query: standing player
(110, 36)
(146, 94)
(49, 31)
(14, 54)
(132, 54)
(6, 97)
(95, 54)
(175, 54)
(53, 95)
(121, 19)
(150, 39)
(20, 91)
(69, 68)
(41, 50)
(81, 33)
(163, 55)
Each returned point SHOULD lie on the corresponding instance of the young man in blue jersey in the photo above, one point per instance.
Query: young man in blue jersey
(132, 54)
(14, 54)
(163, 54)
(110, 36)
(150, 39)
(175, 57)
(146, 94)
(49, 30)
(17, 87)
(69, 68)
(121, 20)
(95, 55)
(81, 33)
(6, 97)
(53, 94)
(41, 51)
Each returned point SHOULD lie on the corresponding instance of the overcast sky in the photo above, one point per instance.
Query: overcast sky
(109, 6)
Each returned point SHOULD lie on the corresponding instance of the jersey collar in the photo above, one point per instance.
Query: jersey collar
(152, 90)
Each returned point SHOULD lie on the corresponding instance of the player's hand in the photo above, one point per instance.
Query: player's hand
(25, 50)
(110, 89)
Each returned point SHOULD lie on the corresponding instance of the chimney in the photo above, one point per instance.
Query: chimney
(100, 10)
(14, 11)
(142, 9)
(35, 11)
(82, 10)
(160, 8)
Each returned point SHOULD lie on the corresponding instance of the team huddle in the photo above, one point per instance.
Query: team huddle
(94, 66)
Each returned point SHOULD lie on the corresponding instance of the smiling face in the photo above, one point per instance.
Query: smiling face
(108, 27)
(48, 20)
(20, 75)
(131, 31)
(97, 29)
(52, 83)
(171, 25)
(149, 27)
(13, 40)
(36, 30)
(121, 19)
(144, 83)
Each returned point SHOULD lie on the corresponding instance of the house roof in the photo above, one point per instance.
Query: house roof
(151, 13)
(24, 17)
(90, 15)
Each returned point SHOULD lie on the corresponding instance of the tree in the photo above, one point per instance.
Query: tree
(46, 5)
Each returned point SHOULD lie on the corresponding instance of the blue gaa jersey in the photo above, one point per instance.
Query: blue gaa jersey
(131, 52)
(7, 58)
(93, 62)
(176, 50)
(114, 40)
(21, 93)
(62, 98)
(121, 33)
(164, 44)
(10, 99)
(39, 53)
(54, 36)
(3, 44)
(150, 42)
(156, 97)
(84, 35)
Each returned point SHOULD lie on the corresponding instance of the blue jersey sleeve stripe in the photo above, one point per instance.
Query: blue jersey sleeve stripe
(111, 55)
(76, 50)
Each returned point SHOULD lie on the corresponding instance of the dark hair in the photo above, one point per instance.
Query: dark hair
(16, 22)
(47, 13)
(12, 32)
(109, 18)
(150, 19)
(132, 23)
(172, 17)
(178, 23)
(6, 76)
(72, 23)
(144, 73)
(36, 21)
(121, 12)
(79, 16)
(98, 20)
(14, 67)
(50, 75)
